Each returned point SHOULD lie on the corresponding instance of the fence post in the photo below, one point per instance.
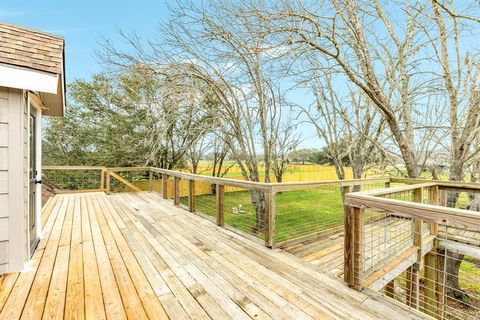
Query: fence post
(108, 182)
(220, 189)
(191, 195)
(270, 215)
(150, 180)
(387, 184)
(176, 191)
(164, 186)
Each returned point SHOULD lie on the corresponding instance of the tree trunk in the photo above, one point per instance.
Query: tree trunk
(357, 174)
(451, 265)
(258, 201)
(454, 260)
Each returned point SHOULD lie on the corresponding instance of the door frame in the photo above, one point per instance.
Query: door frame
(36, 109)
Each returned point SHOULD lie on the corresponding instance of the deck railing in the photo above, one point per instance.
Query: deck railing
(277, 214)
(402, 236)
(409, 242)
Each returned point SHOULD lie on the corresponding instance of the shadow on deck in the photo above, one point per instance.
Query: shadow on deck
(137, 256)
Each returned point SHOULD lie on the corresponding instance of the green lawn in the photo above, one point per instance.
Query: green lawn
(298, 212)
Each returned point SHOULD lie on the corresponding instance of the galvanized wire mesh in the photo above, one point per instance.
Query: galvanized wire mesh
(139, 179)
(313, 212)
(245, 210)
(448, 285)
(72, 179)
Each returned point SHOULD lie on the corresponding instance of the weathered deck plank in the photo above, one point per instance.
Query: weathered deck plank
(137, 256)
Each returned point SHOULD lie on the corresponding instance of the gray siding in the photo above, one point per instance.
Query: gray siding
(13, 180)
(4, 120)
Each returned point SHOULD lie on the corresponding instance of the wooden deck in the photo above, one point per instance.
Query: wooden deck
(326, 253)
(136, 256)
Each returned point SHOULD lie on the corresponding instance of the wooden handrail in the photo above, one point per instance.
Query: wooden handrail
(73, 168)
(291, 186)
(394, 190)
(451, 217)
(215, 180)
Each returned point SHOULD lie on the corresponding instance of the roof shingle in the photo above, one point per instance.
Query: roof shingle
(31, 49)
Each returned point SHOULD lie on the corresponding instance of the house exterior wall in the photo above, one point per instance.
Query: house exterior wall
(14, 243)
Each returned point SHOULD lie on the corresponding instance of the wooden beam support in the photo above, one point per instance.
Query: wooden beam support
(124, 181)
(220, 216)
(176, 191)
(358, 245)
(348, 262)
(165, 186)
(412, 286)
(270, 219)
(429, 303)
(191, 195)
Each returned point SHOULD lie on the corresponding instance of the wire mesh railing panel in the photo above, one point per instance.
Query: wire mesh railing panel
(308, 212)
(245, 210)
(384, 237)
(448, 280)
(206, 198)
(371, 186)
(183, 193)
(155, 183)
(122, 181)
(72, 180)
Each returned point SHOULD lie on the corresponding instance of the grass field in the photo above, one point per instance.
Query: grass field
(298, 212)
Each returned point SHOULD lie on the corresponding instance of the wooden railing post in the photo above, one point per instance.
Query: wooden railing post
(353, 247)
(220, 189)
(108, 182)
(176, 191)
(349, 263)
(150, 180)
(387, 184)
(358, 245)
(164, 185)
(102, 180)
(191, 195)
(270, 219)
(434, 200)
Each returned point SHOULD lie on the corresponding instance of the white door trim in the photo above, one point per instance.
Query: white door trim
(37, 111)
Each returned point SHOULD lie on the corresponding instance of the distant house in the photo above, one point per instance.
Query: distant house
(32, 85)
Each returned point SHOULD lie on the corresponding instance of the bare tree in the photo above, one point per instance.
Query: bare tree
(359, 40)
(223, 50)
(460, 72)
(350, 126)
(198, 151)
(285, 141)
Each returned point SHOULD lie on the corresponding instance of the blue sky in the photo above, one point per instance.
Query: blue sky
(84, 23)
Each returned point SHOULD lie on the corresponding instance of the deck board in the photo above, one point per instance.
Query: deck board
(136, 256)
